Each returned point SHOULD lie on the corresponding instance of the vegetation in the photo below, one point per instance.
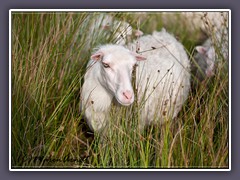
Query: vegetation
(48, 62)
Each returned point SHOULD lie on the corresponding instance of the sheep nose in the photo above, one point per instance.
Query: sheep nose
(128, 94)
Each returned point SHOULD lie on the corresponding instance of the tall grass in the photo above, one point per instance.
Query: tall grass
(48, 63)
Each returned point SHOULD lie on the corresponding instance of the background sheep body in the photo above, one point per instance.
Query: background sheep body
(106, 27)
(162, 81)
(215, 25)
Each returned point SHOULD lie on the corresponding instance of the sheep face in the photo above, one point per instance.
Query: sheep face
(207, 54)
(116, 68)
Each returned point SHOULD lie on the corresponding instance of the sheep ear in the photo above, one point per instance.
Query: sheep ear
(139, 57)
(138, 33)
(201, 49)
(97, 56)
(209, 72)
(105, 27)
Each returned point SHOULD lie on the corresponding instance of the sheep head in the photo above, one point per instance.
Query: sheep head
(116, 65)
(208, 55)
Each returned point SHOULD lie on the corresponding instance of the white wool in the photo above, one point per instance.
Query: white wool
(214, 21)
(207, 21)
(104, 25)
(165, 75)
(163, 80)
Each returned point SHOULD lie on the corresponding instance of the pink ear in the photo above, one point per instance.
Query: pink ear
(139, 57)
(97, 56)
(209, 72)
(201, 49)
(138, 33)
(106, 27)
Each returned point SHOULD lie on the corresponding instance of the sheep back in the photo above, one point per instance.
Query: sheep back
(163, 80)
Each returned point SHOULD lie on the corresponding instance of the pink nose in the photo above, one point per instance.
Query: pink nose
(127, 94)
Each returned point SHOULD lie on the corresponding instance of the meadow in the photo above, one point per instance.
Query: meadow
(48, 62)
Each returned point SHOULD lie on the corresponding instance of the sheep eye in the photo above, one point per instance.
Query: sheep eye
(105, 65)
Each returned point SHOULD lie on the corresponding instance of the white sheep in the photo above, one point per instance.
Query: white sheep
(107, 26)
(207, 56)
(207, 21)
(215, 24)
(162, 80)
(103, 28)
(205, 60)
